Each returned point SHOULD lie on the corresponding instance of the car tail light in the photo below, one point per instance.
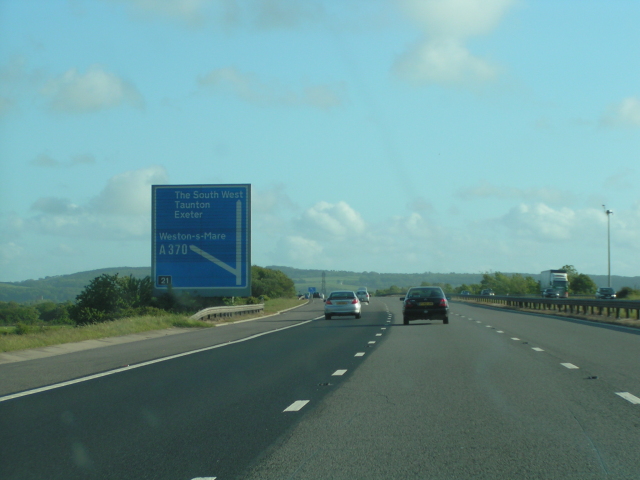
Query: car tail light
(443, 302)
(355, 300)
(410, 302)
(328, 302)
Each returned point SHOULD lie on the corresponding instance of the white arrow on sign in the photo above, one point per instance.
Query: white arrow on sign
(235, 271)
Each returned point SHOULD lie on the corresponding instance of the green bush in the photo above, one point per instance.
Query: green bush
(274, 283)
(24, 329)
(108, 297)
(12, 313)
(628, 292)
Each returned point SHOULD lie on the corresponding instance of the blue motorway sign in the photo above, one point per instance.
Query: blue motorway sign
(201, 239)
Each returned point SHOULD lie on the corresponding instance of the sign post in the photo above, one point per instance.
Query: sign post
(201, 239)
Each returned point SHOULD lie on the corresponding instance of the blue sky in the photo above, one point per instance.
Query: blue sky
(378, 135)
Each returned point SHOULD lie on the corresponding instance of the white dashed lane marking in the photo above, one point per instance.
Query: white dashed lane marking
(371, 342)
(296, 406)
(359, 354)
(569, 365)
(378, 334)
(338, 373)
(628, 397)
(537, 349)
(516, 339)
(499, 331)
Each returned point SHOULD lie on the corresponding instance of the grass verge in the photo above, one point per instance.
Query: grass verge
(56, 335)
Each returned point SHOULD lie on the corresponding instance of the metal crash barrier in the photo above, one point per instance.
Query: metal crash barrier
(609, 308)
(214, 313)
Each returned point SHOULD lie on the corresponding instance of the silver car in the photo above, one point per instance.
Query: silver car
(363, 296)
(342, 303)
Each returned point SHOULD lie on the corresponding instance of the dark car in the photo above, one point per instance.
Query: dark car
(425, 303)
(606, 292)
(551, 293)
(487, 291)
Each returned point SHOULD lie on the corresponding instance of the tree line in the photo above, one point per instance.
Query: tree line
(109, 297)
(517, 284)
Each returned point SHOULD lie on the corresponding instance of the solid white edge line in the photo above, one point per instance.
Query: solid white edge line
(570, 366)
(144, 364)
(629, 398)
(338, 373)
(296, 406)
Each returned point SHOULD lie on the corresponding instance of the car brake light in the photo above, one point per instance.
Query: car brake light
(355, 300)
(328, 302)
(443, 302)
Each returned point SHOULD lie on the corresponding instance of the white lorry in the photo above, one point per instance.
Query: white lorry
(556, 279)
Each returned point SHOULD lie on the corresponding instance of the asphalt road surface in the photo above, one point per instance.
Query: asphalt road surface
(492, 395)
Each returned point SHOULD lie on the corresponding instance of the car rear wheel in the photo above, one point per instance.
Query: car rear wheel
(406, 320)
(358, 315)
(327, 316)
(445, 320)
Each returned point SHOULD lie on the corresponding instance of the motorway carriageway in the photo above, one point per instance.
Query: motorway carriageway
(494, 394)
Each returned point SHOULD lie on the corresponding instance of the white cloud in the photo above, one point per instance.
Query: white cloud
(541, 222)
(270, 200)
(95, 90)
(456, 18)
(248, 87)
(332, 220)
(626, 113)
(55, 206)
(298, 250)
(122, 210)
(445, 62)
(441, 56)
(9, 252)
(129, 193)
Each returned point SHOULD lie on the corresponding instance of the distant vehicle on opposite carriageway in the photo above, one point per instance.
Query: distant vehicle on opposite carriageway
(556, 279)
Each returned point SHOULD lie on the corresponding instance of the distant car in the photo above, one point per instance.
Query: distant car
(465, 292)
(317, 295)
(340, 303)
(551, 293)
(363, 295)
(425, 303)
(606, 292)
(487, 291)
